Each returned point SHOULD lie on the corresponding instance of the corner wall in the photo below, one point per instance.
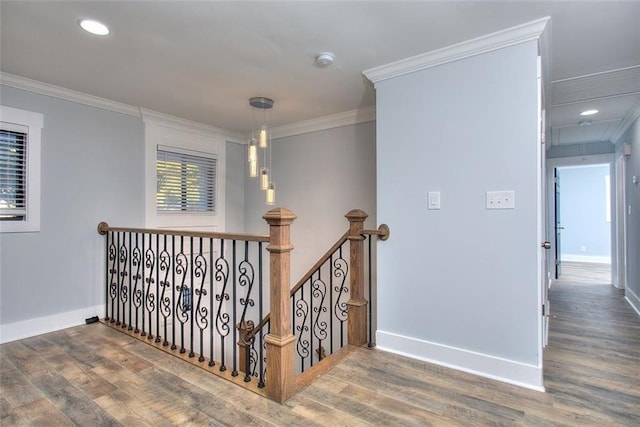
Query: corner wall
(632, 136)
(459, 286)
(92, 170)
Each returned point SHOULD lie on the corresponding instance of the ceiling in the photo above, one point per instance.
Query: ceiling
(203, 60)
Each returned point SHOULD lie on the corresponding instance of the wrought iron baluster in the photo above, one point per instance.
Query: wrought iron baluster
(164, 267)
(150, 298)
(246, 279)
(191, 353)
(234, 289)
(302, 344)
(158, 309)
(331, 336)
(124, 290)
(182, 304)
(201, 313)
(137, 293)
(174, 302)
(260, 316)
(320, 326)
(130, 328)
(222, 317)
(112, 287)
(211, 310)
(370, 297)
(340, 309)
(144, 289)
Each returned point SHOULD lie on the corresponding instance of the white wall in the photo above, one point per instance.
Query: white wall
(320, 176)
(92, 171)
(632, 136)
(236, 159)
(458, 286)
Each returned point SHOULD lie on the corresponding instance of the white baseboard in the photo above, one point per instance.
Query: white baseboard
(41, 325)
(632, 299)
(508, 371)
(596, 259)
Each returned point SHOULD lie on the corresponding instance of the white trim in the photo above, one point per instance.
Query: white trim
(586, 258)
(496, 368)
(67, 94)
(487, 43)
(33, 123)
(633, 300)
(633, 115)
(42, 325)
(351, 117)
(185, 125)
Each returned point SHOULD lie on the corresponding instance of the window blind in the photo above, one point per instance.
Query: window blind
(13, 175)
(186, 181)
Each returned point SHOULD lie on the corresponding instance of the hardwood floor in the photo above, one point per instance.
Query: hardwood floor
(585, 273)
(93, 376)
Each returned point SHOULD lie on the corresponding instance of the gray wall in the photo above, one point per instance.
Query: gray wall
(583, 207)
(462, 277)
(320, 176)
(92, 171)
(632, 136)
(236, 158)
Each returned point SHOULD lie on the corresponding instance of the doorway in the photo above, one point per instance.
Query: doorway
(583, 223)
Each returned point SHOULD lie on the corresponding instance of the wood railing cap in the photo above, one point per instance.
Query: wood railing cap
(356, 214)
(279, 215)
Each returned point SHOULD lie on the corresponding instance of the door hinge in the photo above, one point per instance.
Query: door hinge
(543, 313)
(557, 262)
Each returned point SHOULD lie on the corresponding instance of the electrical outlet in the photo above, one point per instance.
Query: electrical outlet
(501, 200)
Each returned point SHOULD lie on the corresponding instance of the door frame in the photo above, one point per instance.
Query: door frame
(595, 159)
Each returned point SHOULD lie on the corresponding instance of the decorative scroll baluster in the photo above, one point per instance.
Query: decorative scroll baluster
(150, 298)
(123, 272)
(183, 304)
(113, 282)
(130, 249)
(157, 294)
(137, 293)
(191, 289)
(212, 285)
(222, 317)
(173, 294)
(234, 289)
(340, 271)
(201, 312)
(320, 326)
(164, 302)
(302, 312)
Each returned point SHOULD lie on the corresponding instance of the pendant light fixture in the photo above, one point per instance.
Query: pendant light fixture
(260, 146)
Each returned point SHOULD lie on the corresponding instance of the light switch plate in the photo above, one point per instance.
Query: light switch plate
(501, 199)
(433, 200)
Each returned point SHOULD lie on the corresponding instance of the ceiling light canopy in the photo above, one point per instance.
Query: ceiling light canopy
(589, 112)
(94, 27)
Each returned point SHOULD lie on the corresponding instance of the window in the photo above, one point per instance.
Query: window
(20, 139)
(186, 181)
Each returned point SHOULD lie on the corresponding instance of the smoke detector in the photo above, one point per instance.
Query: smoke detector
(324, 59)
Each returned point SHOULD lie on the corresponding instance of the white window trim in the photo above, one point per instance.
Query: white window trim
(34, 124)
(185, 136)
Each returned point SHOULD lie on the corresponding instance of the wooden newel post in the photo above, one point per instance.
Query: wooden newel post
(280, 381)
(357, 323)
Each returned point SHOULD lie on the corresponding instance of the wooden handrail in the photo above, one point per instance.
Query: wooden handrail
(382, 232)
(103, 228)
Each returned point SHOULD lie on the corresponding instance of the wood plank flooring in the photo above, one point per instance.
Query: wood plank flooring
(585, 273)
(92, 375)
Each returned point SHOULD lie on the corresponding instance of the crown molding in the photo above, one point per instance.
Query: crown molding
(490, 42)
(633, 115)
(351, 117)
(67, 94)
(187, 125)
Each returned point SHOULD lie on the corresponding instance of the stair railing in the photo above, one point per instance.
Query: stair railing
(199, 296)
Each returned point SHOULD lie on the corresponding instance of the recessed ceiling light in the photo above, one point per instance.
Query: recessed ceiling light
(94, 27)
(588, 112)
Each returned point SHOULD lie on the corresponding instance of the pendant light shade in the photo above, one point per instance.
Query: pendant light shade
(264, 179)
(263, 136)
(271, 194)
